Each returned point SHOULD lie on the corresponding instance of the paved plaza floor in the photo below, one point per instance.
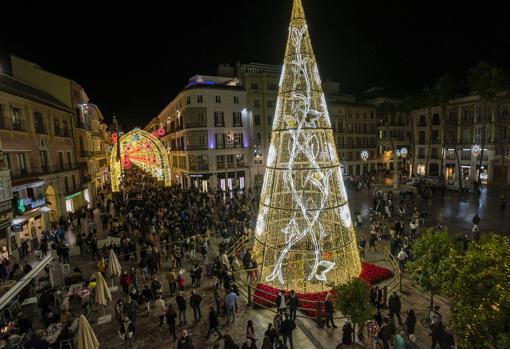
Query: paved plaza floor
(454, 210)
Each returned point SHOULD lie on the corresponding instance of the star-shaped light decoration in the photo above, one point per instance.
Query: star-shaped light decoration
(364, 155)
(476, 149)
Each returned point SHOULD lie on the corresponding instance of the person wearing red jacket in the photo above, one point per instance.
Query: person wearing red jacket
(125, 281)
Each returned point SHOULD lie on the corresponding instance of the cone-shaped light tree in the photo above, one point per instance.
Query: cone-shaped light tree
(304, 237)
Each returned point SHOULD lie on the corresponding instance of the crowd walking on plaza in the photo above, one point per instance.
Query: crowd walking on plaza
(174, 278)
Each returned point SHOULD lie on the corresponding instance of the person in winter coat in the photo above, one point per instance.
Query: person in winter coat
(229, 342)
(293, 304)
(181, 306)
(146, 297)
(131, 309)
(288, 326)
(181, 283)
(271, 333)
(347, 332)
(281, 303)
(395, 305)
(172, 281)
(249, 344)
(160, 309)
(119, 311)
(127, 332)
(329, 311)
(125, 281)
(197, 272)
(170, 320)
(266, 343)
(184, 341)
(194, 301)
(250, 331)
(410, 322)
(213, 323)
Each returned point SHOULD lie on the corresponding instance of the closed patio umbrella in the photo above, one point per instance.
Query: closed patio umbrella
(86, 337)
(103, 295)
(114, 269)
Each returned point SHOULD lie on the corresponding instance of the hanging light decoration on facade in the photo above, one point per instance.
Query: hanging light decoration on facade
(364, 155)
(476, 149)
(403, 152)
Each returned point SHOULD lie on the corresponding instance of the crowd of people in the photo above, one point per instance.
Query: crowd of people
(163, 236)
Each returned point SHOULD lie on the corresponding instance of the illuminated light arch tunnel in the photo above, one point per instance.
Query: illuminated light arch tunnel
(142, 150)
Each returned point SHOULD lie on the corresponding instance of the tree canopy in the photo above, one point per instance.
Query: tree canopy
(353, 300)
(428, 252)
(479, 284)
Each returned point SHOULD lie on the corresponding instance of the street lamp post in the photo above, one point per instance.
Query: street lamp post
(399, 153)
(476, 150)
(116, 129)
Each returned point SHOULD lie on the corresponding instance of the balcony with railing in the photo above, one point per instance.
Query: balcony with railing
(40, 129)
(196, 147)
(199, 167)
(62, 132)
(82, 125)
(17, 173)
(18, 127)
(195, 124)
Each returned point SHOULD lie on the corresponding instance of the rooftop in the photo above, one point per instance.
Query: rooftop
(21, 89)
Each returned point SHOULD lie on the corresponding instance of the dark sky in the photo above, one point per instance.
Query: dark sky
(132, 59)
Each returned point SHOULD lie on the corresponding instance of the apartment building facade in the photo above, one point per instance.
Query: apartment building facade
(449, 139)
(92, 137)
(39, 151)
(354, 124)
(207, 134)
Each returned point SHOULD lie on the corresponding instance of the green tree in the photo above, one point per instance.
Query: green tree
(487, 81)
(428, 252)
(478, 283)
(353, 300)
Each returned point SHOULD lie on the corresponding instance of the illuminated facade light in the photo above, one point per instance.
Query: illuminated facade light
(476, 149)
(364, 155)
(304, 238)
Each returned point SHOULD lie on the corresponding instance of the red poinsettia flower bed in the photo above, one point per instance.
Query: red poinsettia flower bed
(373, 274)
(265, 295)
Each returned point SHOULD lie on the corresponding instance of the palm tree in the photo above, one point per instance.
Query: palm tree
(446, 88)
(410, 103)
(429, 98)
(385, 112)
(487, 81)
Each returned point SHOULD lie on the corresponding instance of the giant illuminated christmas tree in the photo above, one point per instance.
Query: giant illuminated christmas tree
(304, 236)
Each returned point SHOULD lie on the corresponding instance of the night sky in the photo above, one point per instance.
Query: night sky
(134, 58)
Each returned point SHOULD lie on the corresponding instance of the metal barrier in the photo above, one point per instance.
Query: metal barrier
(246, 289)
(397, 280)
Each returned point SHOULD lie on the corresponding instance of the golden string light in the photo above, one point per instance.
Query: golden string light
(305, 239)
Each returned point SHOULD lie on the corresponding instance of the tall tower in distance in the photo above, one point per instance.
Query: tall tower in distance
(304, 239)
